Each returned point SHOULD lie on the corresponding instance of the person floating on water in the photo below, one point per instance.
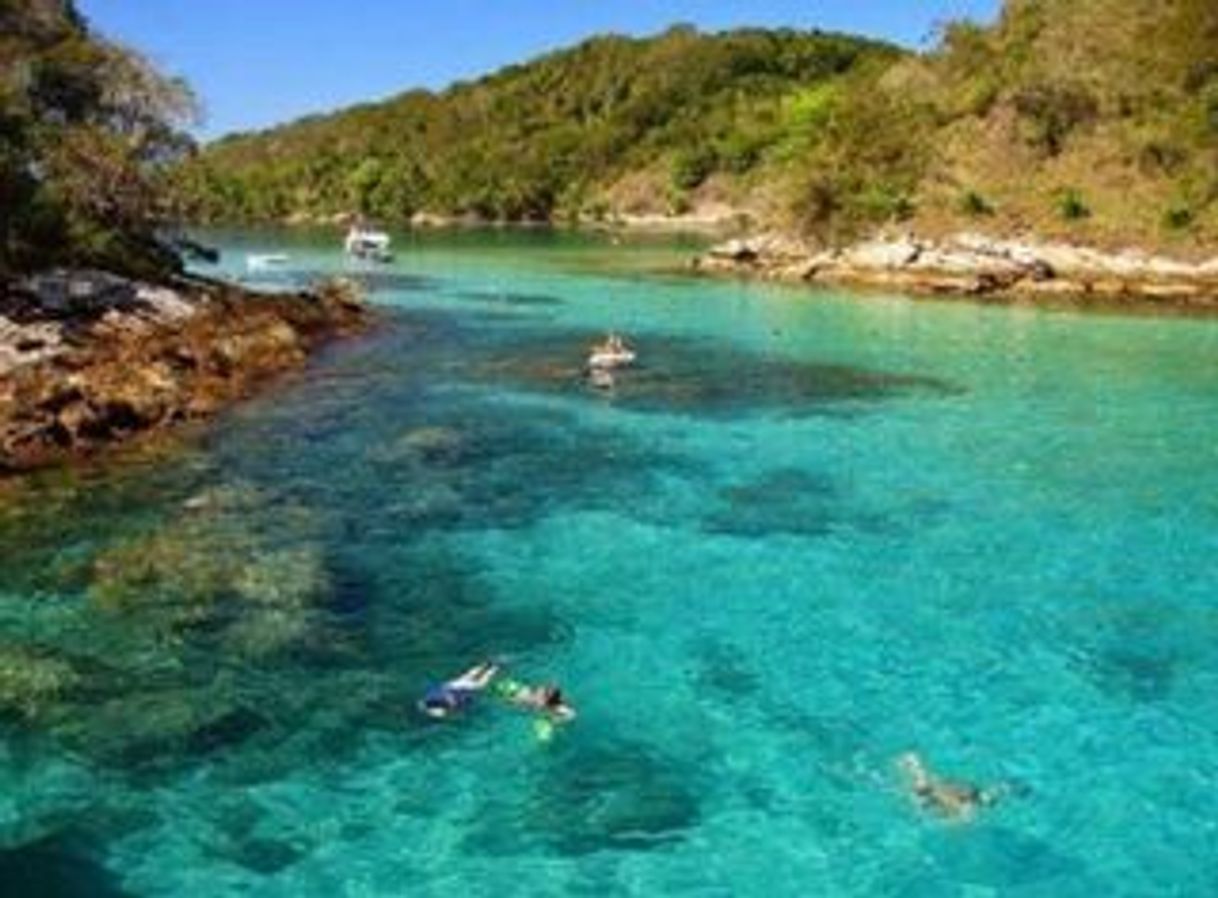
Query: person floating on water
(453, 696)
(547, 701)
(601, 378)
(955, 801)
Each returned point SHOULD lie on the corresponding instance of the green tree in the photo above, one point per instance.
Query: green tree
(86, 131)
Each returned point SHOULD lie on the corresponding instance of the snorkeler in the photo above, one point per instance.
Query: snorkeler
(546, 700)
(956, 801)
(454, 696)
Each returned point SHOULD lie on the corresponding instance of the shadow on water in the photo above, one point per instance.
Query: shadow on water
(59, 866)
(683, 375)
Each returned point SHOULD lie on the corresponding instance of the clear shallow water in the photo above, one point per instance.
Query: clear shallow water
(809, 534)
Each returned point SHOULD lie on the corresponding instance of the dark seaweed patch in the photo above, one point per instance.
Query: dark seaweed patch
(375, 281)
(351, 589)
(59, 866)
(226, 731)
(441, 618)
(1002, 858)
(619, 797)
(1140, 673)
(702, 377)
(723, 669)
(476, 466)
(265, 856)
(509, 298)
(784, 501)
(240, 824)
(616, 797)
(1137, 655)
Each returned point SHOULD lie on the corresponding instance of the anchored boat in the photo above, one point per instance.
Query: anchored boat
(265, 261)
(363, 243)
(612, 354)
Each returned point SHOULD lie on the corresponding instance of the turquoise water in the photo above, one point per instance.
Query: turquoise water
(809, 533)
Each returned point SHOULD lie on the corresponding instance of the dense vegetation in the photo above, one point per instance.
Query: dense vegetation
(1094, 119)
(627, 124)
(86, 128)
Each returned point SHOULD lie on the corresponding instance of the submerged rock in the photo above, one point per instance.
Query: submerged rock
(429, 444)
(705, 377)
(780, 502)
(213, 573)
(31, 681)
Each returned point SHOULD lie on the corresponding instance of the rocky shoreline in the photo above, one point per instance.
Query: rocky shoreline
(973, 265)
(89, 360)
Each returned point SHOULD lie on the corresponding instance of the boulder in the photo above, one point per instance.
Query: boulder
(973, 264)
(739, 251)
(882, 254)
(80, 294)
(24, 344)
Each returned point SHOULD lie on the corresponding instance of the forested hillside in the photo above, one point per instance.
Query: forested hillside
(86, 129)
(1095, 120)
(1090, 119)
(613, 124)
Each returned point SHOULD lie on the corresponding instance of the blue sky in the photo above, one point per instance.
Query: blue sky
(260, 62)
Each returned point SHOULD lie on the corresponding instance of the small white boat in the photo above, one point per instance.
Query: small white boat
(265, 261)
(363, 243)
(612, 354)
(607, 360)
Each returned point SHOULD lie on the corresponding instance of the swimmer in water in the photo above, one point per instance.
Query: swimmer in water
(601, 378)
(954, 801)
(455, 695)
(547, 700)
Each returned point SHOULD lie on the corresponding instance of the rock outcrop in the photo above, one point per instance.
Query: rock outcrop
(973, 265)
(88, 359)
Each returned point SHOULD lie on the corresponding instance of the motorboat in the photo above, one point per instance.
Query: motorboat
(611, 354)
(265, 261)
(364, 243)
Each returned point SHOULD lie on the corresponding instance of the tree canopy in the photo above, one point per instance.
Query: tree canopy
(548, 138)
(1086, 119)
(87, 129)
(1083, 119)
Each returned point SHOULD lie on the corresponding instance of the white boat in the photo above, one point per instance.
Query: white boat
(264, 261)
(613, 353)
(363, 243)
